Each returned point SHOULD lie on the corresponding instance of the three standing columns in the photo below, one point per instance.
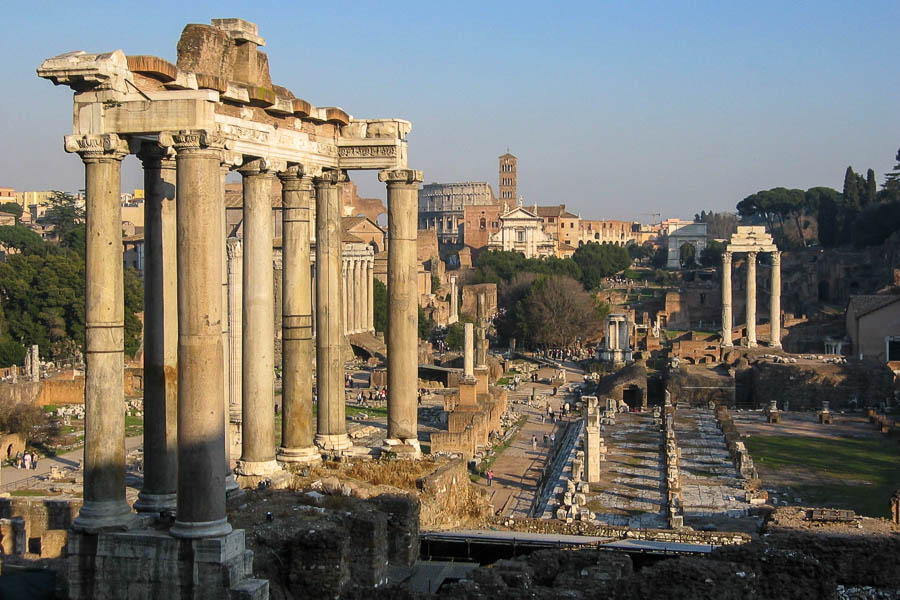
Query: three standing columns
(331, 427)
(104, 396)
(258, 324)
(297, 431)
(774, 300)
(201, 420)
(402, 318)
(160, 331)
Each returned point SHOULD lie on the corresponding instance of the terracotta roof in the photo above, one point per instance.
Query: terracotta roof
(568, 215)
(565, 246)
(863, 304)
(551, 211)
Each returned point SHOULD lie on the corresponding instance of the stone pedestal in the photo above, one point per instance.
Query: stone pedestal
(152, 564)
(402, 325)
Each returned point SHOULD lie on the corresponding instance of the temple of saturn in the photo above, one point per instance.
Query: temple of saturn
(752, 240)
(191, 123)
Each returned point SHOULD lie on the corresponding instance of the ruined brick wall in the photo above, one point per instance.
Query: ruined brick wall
(806, 386)
(470, 298)
(41, 515)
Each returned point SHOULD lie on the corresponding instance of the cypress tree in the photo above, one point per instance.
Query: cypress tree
(871, 188)
(851, 189)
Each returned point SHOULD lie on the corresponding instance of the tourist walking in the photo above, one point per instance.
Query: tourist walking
(490, 476)
(27, 460)
(18, 460)
(534, 442)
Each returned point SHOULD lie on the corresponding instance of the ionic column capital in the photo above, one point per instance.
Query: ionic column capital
(151, 154)
(192, 140)
(108, 146)
(330, 177)
(231, 160)
(262, 166)
(401, 176)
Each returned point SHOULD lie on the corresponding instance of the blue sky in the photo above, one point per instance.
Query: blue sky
(614, 109)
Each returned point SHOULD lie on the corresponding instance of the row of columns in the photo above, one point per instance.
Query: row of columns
(187, 406)
(774, 300)
(358, 297)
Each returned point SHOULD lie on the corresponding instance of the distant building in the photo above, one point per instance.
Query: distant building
(680, 233)
(605, 231)
(559, 223)
(7, 194)
(521, 231)
(442, 206)
(509, 185)
(873, 326)
(480, 222)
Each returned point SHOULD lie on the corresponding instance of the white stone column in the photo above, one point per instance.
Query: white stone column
(402, 326)
(235, 251)
(775, 301)
(468, 351)
(231, 484)
(345, 286)
(370, 294)
(258, 360)
(751, 299)
(726, 300)
(201, 422)
(331, 425)
(360, 296)
(160, 331)
(454, 301)
(104, 396)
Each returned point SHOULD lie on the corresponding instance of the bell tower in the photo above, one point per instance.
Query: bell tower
(508, 179)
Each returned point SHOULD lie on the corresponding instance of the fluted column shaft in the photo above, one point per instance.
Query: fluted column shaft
(751, 299)
(468, 351)
(235, 250)
(201, 422)
(402, 325)
(297, 430)
(104, 397)
(370, 295)
(331, 426)
(258, 360)
(775, 301)
(230, 482)
(726, 300)
(160, 332)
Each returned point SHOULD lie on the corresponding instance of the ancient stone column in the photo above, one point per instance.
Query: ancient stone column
(331, 426)
(160, 331)
(726, 300)
(370, 295)
(258, 360)
(235, 250)
(751, 299)
(231, 484)
(468, 351)
(345, 286)
(104, 396)
(454, 301)
(359, 295)
(403, 307)
(297, 431)
(201, 422)
(775, 301)
(481, 343)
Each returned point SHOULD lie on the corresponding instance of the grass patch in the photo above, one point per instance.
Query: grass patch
(860, 474)
(372, 411)
(503, 381)
(133, 426)
(31, 493)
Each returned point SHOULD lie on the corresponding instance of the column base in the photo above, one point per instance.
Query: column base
(307, 455)
(775, 345)
(231, 484)
(752, 344)
(333, 442)
(402, 448)
(257, 468)
(155, 503)
(200, 529)
(99, 515)
(727, 345)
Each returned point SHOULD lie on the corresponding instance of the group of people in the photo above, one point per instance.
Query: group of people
(566, 353)
(28, 460)
(376, 395)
